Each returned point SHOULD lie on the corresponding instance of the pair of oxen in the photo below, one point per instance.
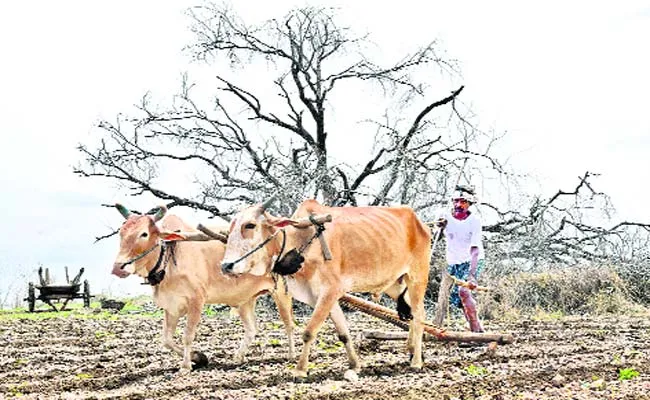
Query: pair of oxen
(373, 249)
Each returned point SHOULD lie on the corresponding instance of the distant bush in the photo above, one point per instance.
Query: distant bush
(637, 280)
(568, 291)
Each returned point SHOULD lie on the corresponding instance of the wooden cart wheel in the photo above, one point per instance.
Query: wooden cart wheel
(31, 297)
(86, 294)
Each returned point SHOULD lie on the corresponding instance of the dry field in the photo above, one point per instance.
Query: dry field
(102, 355)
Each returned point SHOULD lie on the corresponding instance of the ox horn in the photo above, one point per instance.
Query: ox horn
(162, 210)
(268, 202)
(123, 210)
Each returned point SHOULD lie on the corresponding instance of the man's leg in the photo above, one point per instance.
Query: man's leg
(468, 302)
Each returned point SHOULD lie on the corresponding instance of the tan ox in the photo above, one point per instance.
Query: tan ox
(374, 249)
(191, 280)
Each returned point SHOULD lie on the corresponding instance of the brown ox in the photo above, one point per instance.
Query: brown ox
(374, 249)
(191, 279)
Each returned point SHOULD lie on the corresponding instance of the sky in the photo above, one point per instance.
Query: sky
(567, 81)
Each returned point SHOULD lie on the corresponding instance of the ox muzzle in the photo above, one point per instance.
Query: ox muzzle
(227, 267)
(118, 270)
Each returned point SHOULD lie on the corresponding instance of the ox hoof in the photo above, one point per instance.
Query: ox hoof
(411, 358)
(417, 366)
(199, 360)
(351, 375)
(299, 373)
(183, 371)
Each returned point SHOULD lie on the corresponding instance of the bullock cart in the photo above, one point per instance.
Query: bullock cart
(49, 292)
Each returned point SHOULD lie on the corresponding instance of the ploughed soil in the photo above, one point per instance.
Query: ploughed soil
(98, 355)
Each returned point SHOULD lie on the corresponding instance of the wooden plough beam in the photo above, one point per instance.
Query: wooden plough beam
(435, 332)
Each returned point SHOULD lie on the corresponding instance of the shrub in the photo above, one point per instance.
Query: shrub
(569, 291)
(637, 279)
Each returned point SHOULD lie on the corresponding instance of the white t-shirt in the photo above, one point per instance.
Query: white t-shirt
(462, 235)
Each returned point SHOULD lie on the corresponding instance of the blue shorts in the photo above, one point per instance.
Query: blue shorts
(461, 271)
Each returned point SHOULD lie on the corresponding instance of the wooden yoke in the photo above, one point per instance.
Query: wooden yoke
(306, 222)
(317, 220)
(327, 254)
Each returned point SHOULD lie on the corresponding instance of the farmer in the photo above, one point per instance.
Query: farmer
(465, 258)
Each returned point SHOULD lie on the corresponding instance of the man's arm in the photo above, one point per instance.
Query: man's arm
(441, 221)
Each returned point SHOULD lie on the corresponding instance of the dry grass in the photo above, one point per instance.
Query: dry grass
(568, 291)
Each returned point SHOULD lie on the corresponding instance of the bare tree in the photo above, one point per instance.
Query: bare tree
(250, 142)
(564, 229)
(250, 145)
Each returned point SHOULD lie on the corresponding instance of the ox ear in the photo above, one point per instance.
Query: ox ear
(278, 222)
(284, 222)
(172, 236)
(184, 236)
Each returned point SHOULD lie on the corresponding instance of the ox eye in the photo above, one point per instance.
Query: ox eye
(144, 234)
(249, 226)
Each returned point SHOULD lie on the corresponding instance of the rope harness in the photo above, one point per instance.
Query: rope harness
(131, 261)
(291, 262)
(155, 276)
(259, 246)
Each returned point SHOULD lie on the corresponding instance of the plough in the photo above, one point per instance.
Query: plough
(434, 331)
